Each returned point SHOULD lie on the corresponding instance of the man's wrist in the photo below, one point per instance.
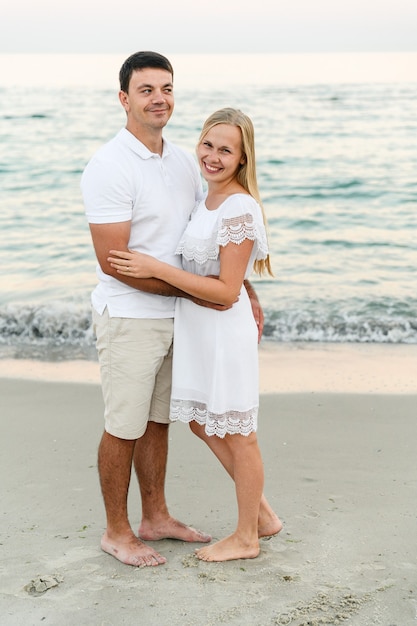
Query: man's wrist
(251, 291)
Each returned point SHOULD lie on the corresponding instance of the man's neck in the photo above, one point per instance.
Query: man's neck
(152, 139)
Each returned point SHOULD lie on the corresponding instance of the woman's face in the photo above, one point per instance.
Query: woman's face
(220, 153)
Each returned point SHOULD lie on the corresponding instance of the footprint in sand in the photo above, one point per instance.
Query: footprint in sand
(40, 585)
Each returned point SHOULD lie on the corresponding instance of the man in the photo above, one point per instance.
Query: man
(139, 191)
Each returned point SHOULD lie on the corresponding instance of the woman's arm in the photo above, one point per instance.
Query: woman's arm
(223, 290)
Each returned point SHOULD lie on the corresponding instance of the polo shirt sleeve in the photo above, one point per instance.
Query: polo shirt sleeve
(107, 192)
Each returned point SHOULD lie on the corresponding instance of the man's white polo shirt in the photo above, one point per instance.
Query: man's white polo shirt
(124, 181)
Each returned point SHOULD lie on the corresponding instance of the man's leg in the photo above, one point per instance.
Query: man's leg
(150, 461)
(114, 465)
(120, 366)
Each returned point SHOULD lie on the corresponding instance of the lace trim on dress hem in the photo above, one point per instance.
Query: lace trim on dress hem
(231, 422)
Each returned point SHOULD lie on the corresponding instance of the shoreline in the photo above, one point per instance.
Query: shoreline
(284, 368)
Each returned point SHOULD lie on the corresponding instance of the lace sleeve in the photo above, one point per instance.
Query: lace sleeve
(237, 229)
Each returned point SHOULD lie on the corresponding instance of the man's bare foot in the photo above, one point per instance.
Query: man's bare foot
(171, 528)
(269, 527)
(132, 552)
(228, 549)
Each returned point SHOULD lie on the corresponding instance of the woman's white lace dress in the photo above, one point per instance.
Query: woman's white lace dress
(215, 368)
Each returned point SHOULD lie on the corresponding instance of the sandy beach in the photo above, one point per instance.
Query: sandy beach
(337, 432)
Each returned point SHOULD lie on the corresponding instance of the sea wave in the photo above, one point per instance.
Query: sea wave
(53, 332)
(60, 332)
(345, 327)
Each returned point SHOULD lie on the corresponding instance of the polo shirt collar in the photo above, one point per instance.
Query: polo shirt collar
(139, 148)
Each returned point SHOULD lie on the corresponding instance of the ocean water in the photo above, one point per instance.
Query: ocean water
(337, 163)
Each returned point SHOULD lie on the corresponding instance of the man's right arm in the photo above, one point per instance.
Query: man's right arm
(115, 236)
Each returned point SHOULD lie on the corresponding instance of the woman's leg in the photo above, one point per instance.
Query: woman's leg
(268, 521)
(249, 478)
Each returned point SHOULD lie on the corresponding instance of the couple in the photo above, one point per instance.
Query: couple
(139, 193)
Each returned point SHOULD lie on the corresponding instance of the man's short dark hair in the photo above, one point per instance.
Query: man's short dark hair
(141, 61)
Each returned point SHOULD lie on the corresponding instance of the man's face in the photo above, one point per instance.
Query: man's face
(149, 101)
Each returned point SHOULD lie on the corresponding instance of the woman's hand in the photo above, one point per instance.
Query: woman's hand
(135, 264)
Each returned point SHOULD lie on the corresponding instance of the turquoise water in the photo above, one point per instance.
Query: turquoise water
(336, 167)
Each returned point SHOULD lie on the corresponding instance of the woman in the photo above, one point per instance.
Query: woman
(215, 368)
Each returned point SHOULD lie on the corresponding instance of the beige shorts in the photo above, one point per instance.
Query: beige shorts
(135, 357)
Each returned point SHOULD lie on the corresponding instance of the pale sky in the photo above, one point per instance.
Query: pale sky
(217, 26)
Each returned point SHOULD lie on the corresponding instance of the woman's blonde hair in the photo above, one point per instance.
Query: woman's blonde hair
(246, 175)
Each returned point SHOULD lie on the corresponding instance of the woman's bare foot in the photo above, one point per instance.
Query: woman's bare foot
(268, 521)
(171, 528)
(269, 526)
(228, 549)
(132, 551)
